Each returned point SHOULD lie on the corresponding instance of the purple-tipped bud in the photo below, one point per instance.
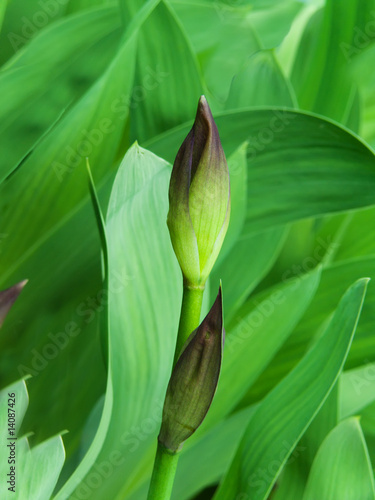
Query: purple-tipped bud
(194, 380)
(8, 297)
(199, 198)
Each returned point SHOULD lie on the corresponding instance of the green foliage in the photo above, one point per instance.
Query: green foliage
(291, 88)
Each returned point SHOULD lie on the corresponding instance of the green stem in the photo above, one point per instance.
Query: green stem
(190, 315)
(163, 474)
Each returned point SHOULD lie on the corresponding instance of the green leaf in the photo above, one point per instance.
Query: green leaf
(291, 482)
(23, 21)
(260, 82)
(287, 410)
(47, 345)
(321, 74)
(22, 400)
(357, 390)
(299, 165)
(359, 237)
(139, 344)
(245, 265)
(293, 477)
(3, 7)
(166, 69)
(335, 279)
(204, 462)
(54, 176)
(78, 5)
(221, 42)
(364, 78)
(39, 468)
(36, 470)
(18, 393)
(63, 338)
(203, 459)
(37, 96)
(272, 22)
(342, 468)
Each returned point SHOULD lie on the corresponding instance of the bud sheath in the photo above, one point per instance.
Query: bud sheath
(194, 380)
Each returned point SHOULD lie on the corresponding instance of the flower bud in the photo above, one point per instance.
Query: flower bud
(8, 297)
(199, 198)
(194, 380)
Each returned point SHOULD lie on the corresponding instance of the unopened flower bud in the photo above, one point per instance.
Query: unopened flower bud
(194, 380)
(8, 297)
(199, 198)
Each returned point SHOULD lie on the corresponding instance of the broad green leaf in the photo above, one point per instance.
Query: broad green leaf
(299, 165)
(39, 468)
(287, 410)
(37, 95)
(141, 340)
(166, 69)
(246, 354)
(342, 468)
(260, 82)
(357, 389)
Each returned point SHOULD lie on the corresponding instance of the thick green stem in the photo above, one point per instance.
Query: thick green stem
(190, 314)
(163, 474)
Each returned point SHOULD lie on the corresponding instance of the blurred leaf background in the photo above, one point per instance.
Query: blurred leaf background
(291, 86)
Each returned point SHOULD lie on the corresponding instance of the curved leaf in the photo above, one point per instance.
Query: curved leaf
(342, 468)
(287, 410)
(141, 340)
